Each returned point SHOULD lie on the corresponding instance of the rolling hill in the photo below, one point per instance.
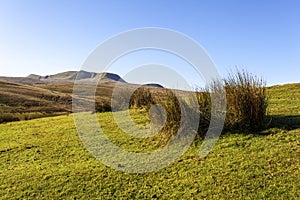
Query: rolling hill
(37, 96)
(46, 159)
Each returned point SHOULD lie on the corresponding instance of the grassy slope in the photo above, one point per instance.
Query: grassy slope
(23, 101)
(45, 158)
(28, 101)
(284, 100)
(284, 106)
(20, 101)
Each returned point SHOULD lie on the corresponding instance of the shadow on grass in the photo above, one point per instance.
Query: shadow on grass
(283, 122)
(286, 122)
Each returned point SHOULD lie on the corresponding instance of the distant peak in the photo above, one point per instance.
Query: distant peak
(154, 85)
(112, 76)
(70, 76)
(34, 76)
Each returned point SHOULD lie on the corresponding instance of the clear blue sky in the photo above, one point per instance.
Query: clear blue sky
(50, 36)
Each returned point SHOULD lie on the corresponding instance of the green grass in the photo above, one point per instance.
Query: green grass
(284, 100)
(284, 106)
(45, 159)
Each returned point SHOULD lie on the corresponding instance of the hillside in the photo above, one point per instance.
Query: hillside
(37, 96)
(45, 159)
(20, 101)
(284, 106)
(284, 99)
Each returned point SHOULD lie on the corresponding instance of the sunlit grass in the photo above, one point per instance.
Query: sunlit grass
(45, 159)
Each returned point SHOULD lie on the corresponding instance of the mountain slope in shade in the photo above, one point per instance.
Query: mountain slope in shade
(156, 85)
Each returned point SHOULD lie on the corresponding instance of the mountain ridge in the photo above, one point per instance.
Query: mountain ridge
(66, 77)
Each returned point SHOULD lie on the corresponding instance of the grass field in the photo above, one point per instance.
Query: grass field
(45, 159)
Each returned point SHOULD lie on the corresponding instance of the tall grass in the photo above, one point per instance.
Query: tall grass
(8, 117)
(142, 97)
(246, 101)
(245, 98)
(173, 108)
(16, 116)
(204, 101)
(246, 104)
(245, 95)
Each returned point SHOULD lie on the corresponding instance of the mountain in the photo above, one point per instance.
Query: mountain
(156, 85)
(40, 96)
(67, 77)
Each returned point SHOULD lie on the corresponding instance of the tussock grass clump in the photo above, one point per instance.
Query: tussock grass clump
(246, 101)
(172, 107)
(102, 106)
(212, 95)
(8, 117)
(169, 111)
(203, 97)
(19, 116)
(141, 98)
(180, 114)
(246, 104)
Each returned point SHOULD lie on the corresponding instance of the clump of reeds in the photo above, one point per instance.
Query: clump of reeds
(246, 101)
(142, 97)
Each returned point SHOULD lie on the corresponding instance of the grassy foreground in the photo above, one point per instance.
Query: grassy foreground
(45, 159)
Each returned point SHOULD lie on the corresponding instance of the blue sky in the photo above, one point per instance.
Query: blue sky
(50, 36)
